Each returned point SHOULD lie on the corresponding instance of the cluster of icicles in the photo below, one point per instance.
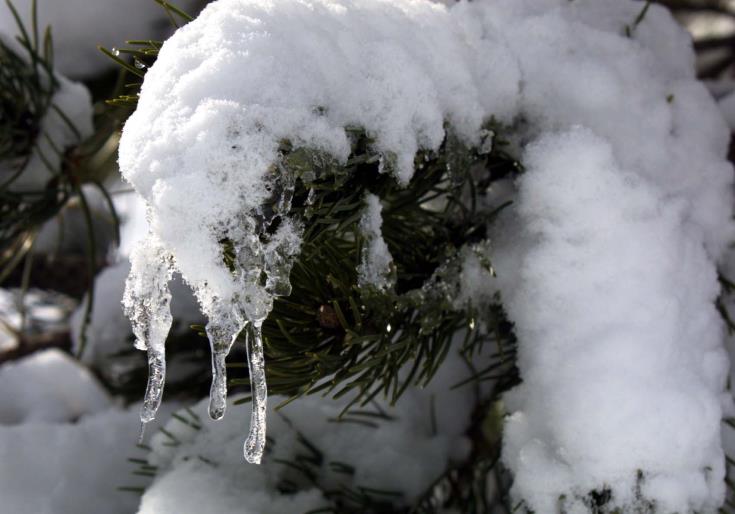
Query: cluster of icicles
(147, 303)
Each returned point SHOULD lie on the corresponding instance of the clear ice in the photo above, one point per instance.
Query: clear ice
(263, 257)
(222, 334)
(255, 442)
(147, 302)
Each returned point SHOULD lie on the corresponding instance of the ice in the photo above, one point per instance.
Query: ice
(255, 442)
(147, 301)
(221, 336)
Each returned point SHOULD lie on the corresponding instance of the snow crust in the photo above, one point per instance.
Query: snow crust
(607, 261)
(45, 312)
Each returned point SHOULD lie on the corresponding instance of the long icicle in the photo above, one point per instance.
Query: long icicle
(255, 442)
(147, 302)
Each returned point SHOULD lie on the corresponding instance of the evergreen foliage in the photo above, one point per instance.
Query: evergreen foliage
(332, 335)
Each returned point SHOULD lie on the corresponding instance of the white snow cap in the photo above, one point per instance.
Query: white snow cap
(607, 266)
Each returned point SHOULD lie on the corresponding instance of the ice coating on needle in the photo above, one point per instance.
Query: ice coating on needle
(606, 265)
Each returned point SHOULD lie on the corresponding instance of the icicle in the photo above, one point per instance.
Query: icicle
(222, 335)
(147, 302)
(154, 388)
(255, 442)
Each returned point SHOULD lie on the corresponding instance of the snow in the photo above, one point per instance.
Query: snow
(201, 470)
(727, 106)
(583, 370)
(63, 445)
(607, 261)
(48, 386)
(77, 467)
(376, 268)
(78, 28)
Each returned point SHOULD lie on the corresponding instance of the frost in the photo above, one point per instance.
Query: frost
(605, 263)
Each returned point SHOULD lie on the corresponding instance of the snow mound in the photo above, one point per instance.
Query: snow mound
(48, 386)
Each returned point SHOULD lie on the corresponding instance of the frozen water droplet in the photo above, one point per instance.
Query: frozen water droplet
(388, 328)
(255, 442)
(139, 64)
(115, 52)
(472, 323)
